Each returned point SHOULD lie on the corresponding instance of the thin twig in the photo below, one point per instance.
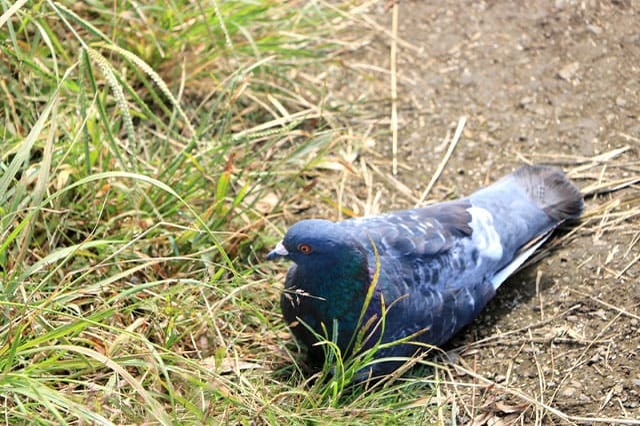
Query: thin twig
(626, 268)
(445, 159)
(608, 305)
(616, 185)
(402, 188)
(394, 88)
(570, 159)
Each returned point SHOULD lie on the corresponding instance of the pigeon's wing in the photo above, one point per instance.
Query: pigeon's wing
(432, 272)
(416, 233)
(431, 252)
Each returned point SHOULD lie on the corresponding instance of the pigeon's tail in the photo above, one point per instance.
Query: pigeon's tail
(526, 206)
(551, 190)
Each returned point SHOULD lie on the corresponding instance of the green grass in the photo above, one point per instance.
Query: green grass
(147, 152)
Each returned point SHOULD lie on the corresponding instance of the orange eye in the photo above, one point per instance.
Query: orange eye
(304, 248)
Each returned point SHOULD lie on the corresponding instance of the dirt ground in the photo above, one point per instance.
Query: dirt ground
(553, 82)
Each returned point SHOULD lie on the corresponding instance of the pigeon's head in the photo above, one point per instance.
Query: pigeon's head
(319, 244)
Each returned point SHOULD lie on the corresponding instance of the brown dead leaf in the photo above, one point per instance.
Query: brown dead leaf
(266, 204)
(510, 408)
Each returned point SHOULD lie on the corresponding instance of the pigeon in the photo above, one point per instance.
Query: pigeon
(416, 277)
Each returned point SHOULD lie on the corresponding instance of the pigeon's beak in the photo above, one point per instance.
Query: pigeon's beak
(278, 252)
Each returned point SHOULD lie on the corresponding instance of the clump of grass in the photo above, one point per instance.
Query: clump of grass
(146, 150)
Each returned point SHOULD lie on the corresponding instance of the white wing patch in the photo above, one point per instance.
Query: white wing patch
(484, 235)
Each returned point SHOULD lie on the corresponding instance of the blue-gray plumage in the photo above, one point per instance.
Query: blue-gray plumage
(438, 265)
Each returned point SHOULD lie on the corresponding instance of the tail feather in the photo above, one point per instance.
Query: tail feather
(551, 190)
(521, 256)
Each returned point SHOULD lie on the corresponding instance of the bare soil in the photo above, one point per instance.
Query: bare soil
(553, 82)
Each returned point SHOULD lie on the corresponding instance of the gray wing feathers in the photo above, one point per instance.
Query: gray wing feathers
(415, 233)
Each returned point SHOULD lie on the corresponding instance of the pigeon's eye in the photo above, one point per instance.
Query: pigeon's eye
(304, 248)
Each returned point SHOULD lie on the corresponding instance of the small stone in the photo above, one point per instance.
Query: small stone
(594, 29)
(526, 100)
(466, 78)
(568, 71)
(600, 313)
(560, 4)
(572, 318)
(568, 392)
(539, 109)
(621, 101)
